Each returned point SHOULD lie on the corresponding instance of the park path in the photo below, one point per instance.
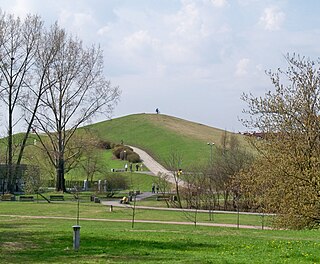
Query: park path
(150, 163)
(155, 167)
(136, 221)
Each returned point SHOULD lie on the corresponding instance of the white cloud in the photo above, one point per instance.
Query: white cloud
(272, 18)
(80, 23)
(140, 41)
(242, 67)
(103, 31)
(219, 3)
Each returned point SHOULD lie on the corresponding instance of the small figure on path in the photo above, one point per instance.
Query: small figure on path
(157, 111)
(157, 188)
(130, 166)
(126, 167)
(124, 200)
(137, 166)
(153, 188)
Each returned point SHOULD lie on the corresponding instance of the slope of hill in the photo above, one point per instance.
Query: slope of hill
(162, 135)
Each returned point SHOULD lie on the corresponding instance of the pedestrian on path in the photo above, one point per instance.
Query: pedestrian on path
(126, 167)
(137, 166)
(153, 188)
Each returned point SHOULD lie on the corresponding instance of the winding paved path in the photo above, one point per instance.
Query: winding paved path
(150, 163)
(155, 167)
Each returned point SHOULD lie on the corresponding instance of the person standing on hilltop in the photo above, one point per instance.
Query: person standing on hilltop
(157, 111)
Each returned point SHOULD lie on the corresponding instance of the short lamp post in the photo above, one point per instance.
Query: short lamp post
(76, 228)
(211, 144)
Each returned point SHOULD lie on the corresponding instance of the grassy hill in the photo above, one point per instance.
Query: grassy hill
(161, 135)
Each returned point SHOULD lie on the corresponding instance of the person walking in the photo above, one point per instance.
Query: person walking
(137, 166)
(153, 188)
(126, 167)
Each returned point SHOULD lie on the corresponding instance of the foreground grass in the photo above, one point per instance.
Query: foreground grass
(50, 241)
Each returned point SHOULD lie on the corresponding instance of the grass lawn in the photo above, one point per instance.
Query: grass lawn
(161, 135)
(99, 211)
(26, 240)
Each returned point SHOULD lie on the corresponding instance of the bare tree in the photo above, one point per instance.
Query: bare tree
(173, 164)
(79, 91)
(19, 43)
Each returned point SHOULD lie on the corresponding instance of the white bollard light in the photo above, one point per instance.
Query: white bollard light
(76, 237)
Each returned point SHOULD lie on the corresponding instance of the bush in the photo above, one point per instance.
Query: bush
(133, 157)
(105, 144)
(116, 182)
(118, 151)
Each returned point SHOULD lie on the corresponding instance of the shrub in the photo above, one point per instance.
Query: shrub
(105, 144)
(116, 182)
(133, 157)
(118, 151)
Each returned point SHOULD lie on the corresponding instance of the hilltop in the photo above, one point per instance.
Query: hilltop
(160, 135)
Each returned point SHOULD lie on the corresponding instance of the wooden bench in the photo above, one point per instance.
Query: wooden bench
(26, 198)
(118, 170)
(56, 198)
(163, 198)
(8, 197)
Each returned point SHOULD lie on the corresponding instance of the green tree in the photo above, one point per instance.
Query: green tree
(285, 177)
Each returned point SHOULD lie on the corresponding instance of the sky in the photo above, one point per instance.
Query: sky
(192, 59)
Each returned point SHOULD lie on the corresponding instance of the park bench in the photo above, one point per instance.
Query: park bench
(26, 198)
(163, 198)
(118, 170)
(56, 198)
(8, 197)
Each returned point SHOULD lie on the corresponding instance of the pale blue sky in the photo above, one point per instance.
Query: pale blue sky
(190, 58)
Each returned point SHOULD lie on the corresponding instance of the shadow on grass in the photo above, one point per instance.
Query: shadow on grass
(57, 248)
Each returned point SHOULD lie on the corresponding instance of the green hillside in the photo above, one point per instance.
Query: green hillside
(161, 135)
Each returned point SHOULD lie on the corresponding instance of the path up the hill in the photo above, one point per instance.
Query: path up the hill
(154, 166)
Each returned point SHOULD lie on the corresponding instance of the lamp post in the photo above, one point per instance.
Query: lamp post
(211, 145)
(211, 161)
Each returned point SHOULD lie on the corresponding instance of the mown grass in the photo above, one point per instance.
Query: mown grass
(93, 210)
(25, 240)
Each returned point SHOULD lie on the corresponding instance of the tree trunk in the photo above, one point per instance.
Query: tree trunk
(10, 185)
(60, 182)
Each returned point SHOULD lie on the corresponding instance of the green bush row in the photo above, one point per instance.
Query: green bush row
(125, 153)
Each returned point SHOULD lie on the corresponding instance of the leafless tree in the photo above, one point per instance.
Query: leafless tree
(19, 44)
(173, 164)
(78, 92)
